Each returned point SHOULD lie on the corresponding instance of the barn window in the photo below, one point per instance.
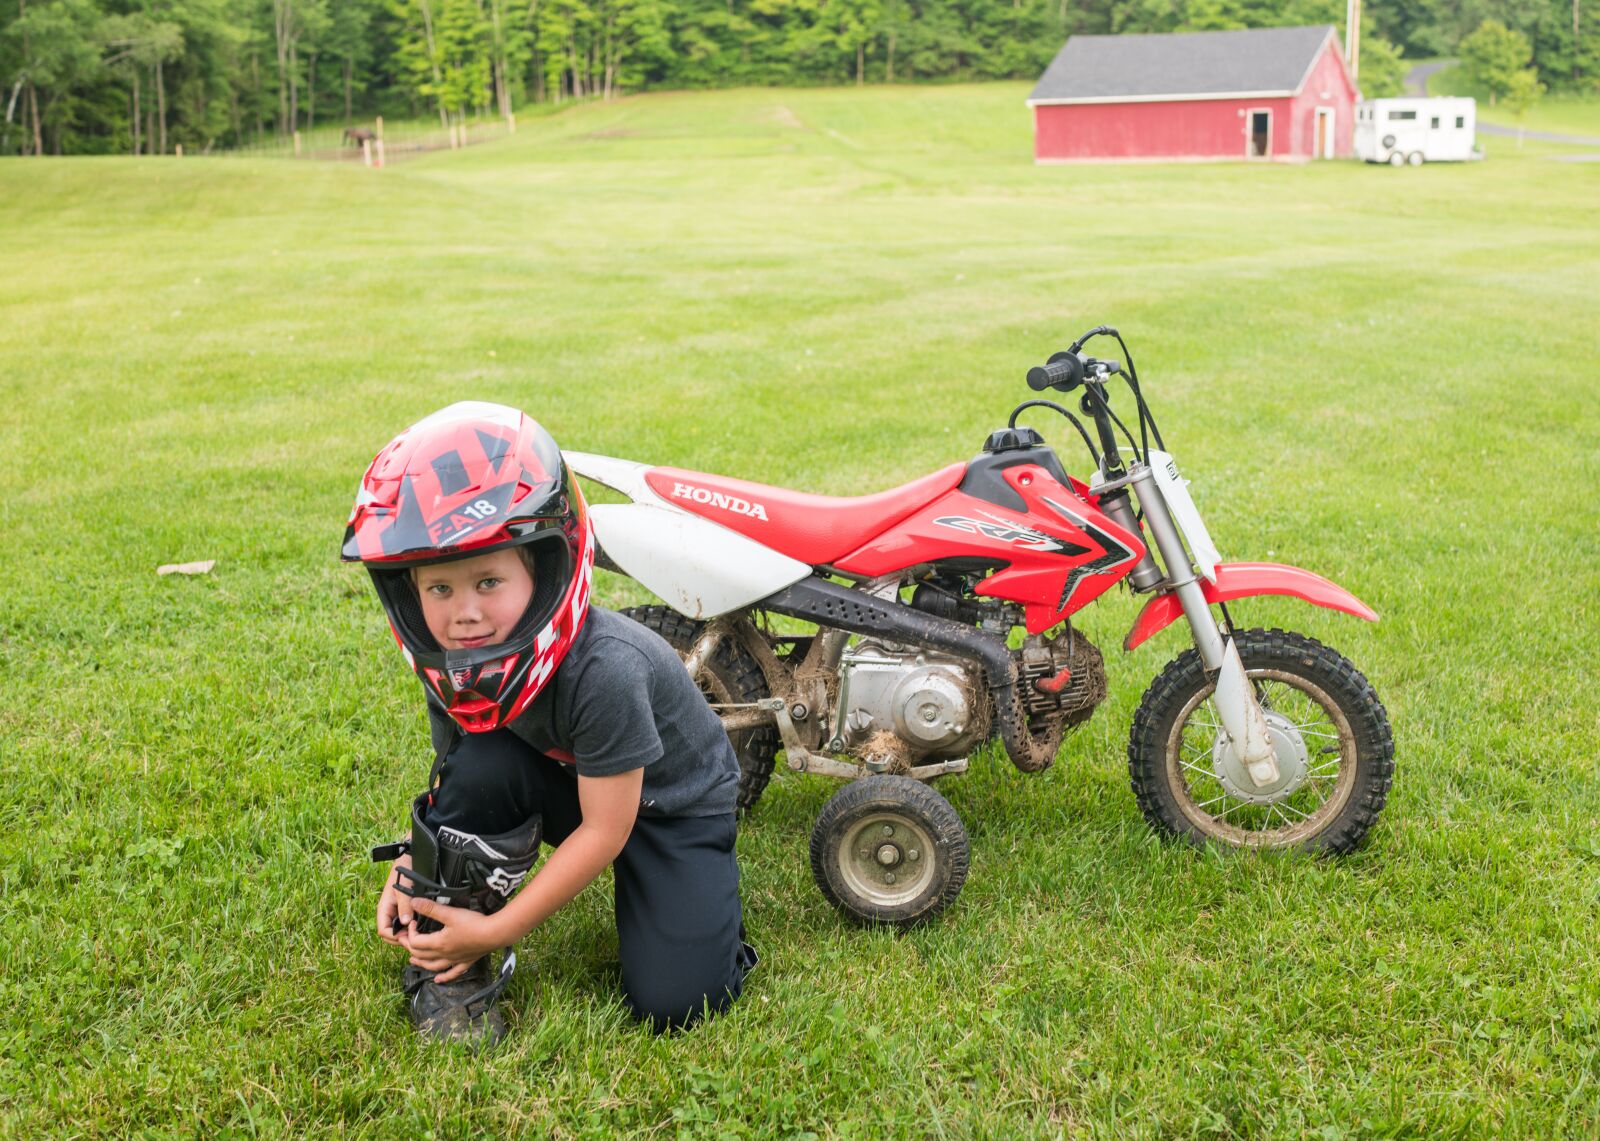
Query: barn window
(1402, 116)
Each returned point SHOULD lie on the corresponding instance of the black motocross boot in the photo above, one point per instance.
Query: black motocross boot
(478, 873)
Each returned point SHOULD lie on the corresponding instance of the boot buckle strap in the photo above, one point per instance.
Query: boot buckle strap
(476, 1004)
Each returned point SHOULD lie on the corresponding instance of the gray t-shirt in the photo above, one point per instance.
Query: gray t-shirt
(621, 700)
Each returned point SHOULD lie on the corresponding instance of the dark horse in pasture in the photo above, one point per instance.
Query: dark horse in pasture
(355, 136)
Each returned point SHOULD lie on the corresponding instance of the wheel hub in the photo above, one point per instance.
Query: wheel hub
(1293, 764)
(883, 859)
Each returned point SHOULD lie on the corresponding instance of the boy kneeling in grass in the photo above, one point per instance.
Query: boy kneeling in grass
(551, 720)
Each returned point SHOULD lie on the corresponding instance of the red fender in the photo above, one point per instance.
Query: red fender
(1238, 580)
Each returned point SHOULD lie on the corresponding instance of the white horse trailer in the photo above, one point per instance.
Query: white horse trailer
(1415, 131)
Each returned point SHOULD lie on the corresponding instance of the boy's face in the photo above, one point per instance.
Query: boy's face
(477, 601)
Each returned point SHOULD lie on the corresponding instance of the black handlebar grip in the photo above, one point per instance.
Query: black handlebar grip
(1063, 374)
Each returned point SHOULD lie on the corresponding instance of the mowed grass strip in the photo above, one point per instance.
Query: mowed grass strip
(1385, 376)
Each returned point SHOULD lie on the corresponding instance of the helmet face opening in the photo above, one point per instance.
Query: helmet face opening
(550, 555)
(468, 480)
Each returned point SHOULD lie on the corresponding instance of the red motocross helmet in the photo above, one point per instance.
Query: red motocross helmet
(470, 479)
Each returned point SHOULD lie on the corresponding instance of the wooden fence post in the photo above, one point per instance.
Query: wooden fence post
(297, 144)
(380, 126)
(178, 150)
(380, 152)
(511, 121)
(366, 152)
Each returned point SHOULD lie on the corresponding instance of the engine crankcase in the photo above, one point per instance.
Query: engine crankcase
(932, 702)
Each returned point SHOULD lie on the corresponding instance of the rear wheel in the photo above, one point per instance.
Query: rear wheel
(731, 677)
(1330, 732)
(1398, 158)
(1415, 158)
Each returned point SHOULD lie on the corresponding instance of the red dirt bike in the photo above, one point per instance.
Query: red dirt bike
(1253, 738)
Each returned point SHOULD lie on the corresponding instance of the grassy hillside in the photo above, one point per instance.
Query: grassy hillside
(1386, 376)
(1562, 113)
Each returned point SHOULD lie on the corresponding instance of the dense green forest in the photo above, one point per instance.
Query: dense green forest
(145, 76)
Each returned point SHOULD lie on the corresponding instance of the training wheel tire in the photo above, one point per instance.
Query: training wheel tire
(889, 850)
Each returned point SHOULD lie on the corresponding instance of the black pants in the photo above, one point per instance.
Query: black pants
(679, 928)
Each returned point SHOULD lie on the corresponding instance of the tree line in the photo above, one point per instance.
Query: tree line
(144, 76)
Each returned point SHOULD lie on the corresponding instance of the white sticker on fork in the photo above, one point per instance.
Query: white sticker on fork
(1175, 490)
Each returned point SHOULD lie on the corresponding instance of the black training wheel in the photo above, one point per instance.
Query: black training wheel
(888, 849)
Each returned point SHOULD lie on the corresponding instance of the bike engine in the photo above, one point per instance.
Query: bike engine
(1061, 676)
(904, 703)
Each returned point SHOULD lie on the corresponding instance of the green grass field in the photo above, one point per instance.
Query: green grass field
(1386, 376)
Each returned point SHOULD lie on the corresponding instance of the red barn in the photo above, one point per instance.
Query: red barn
(1266, 93)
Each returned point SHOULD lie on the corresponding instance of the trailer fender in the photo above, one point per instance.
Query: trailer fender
(1240, 580)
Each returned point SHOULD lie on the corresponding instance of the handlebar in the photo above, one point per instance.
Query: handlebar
(1064, 374)
(1066, 370)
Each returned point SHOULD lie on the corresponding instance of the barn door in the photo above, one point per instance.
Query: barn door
(1258, 143)
(1324, 147)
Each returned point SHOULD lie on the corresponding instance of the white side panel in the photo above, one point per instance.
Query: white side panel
(1175, 490)
(697, 567)
(625, 476)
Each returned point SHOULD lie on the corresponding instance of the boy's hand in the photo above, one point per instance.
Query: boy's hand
(393, 906)
(464, 938)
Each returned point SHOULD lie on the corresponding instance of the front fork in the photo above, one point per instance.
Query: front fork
(1243, 723)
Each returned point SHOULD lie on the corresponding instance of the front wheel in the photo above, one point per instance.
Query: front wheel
(1331, 734)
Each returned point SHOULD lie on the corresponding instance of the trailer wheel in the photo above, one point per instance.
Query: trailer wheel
(1415, 158)
(1398, 158)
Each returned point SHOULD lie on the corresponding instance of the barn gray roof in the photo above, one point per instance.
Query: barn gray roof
(1258, 61)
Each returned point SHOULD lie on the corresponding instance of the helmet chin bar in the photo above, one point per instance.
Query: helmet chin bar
(477, 715)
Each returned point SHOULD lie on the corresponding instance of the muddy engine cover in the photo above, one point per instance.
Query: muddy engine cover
(929, 700)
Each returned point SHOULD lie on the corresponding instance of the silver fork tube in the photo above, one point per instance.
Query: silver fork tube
(1180, 573)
